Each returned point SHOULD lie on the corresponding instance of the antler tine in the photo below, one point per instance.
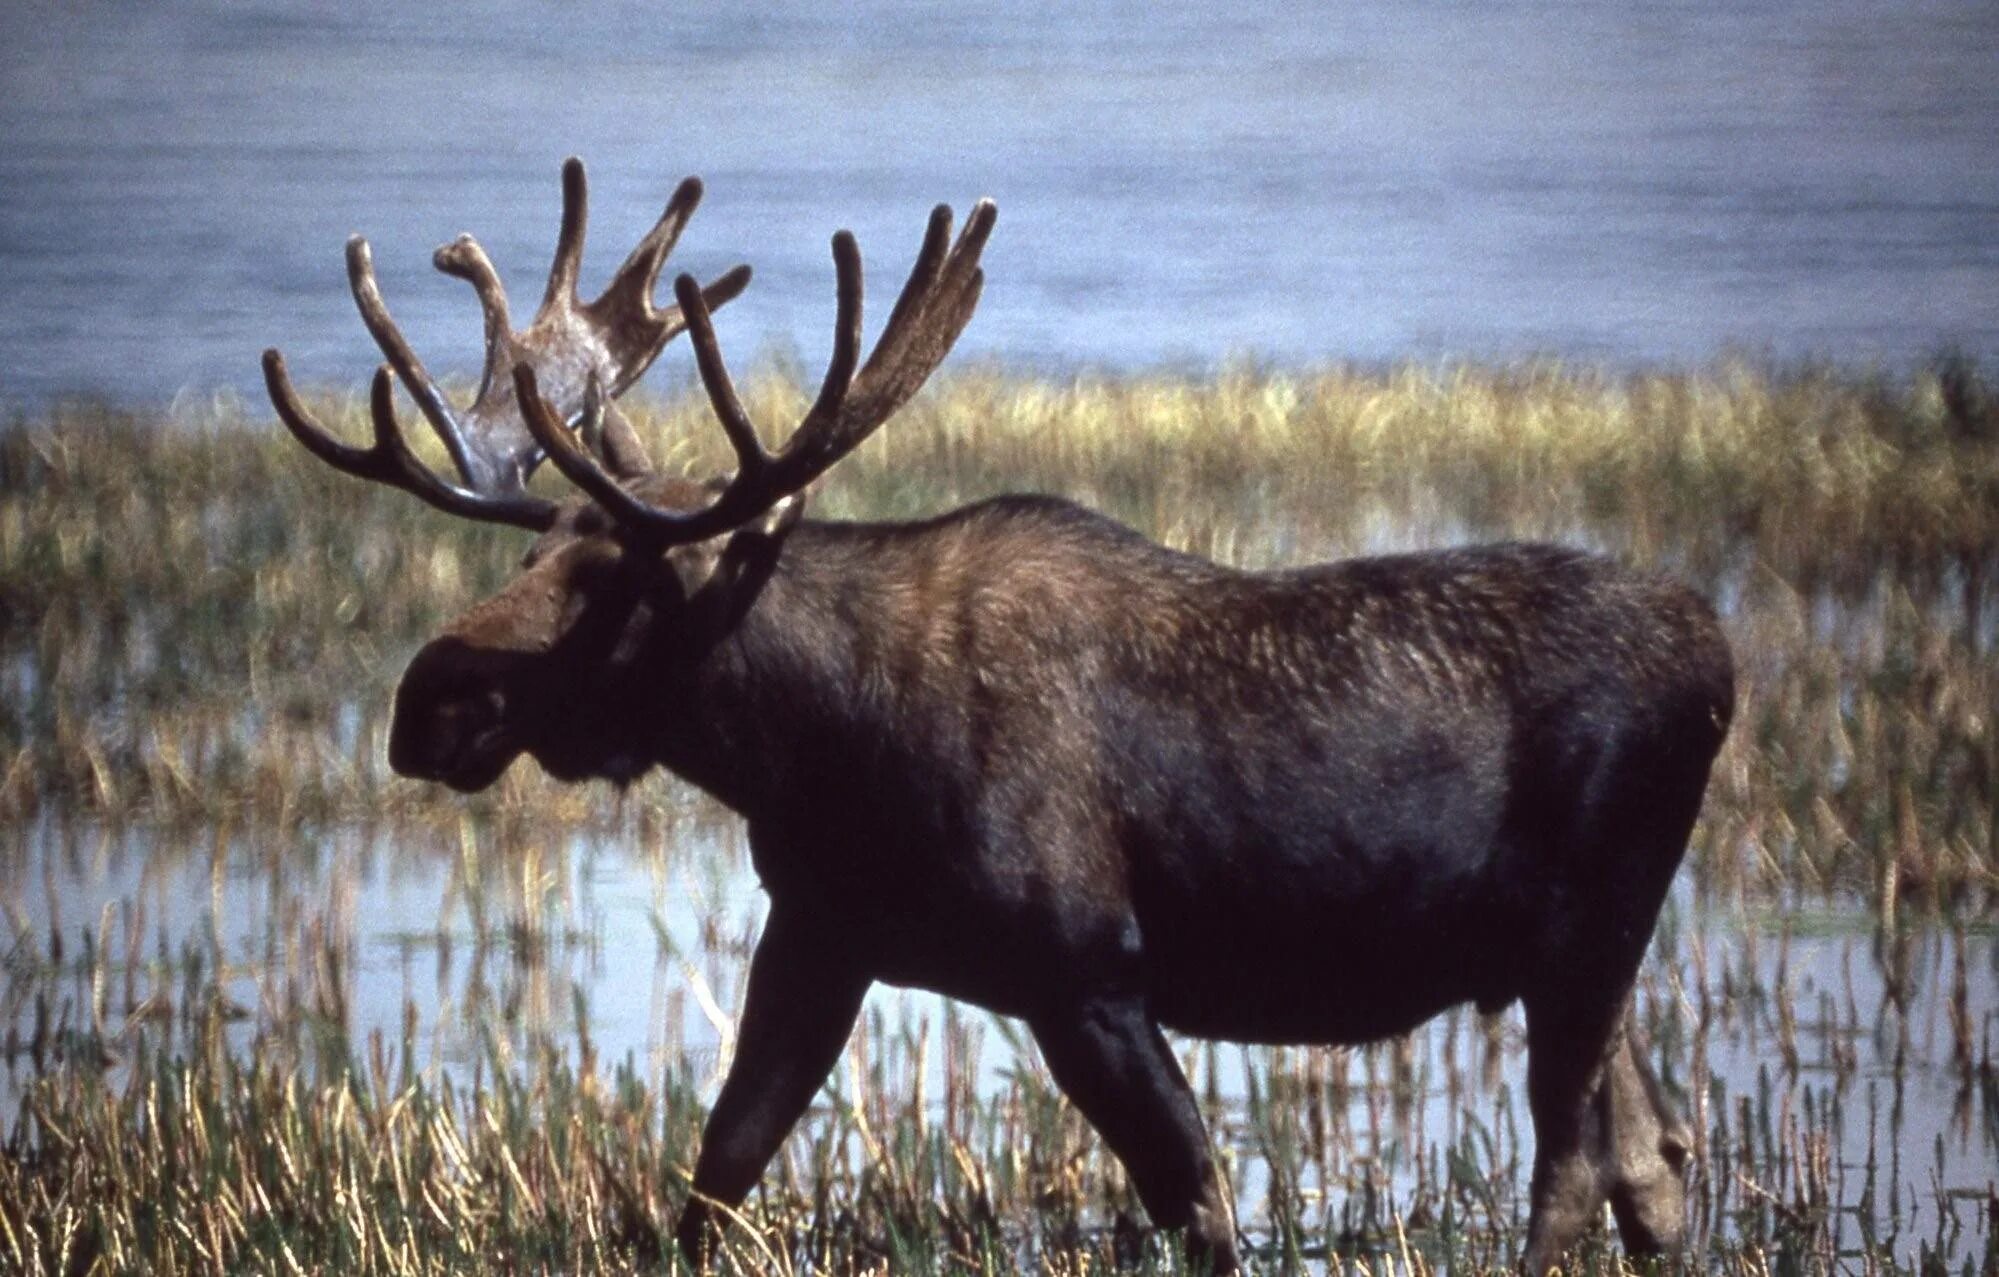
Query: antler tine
(628, 324)
(736, 424)
(390, 459)
(639, 274)
(945, 320)
(825, 412)
(466, 259)
(933, 309)
(825, 418)
(568, 262)
(429, 399)
(915, 291)
(318, 441)
(666, 322)
(718, 292)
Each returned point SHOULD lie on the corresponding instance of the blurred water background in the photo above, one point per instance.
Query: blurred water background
(1179, 184)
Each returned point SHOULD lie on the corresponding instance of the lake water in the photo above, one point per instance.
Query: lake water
(1178, 184)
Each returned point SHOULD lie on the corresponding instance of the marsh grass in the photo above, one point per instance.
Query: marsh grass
(202, 1104)
(200, 629)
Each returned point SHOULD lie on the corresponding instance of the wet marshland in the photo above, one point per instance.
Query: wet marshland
(262, 1004)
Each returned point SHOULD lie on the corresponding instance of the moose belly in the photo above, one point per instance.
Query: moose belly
(1334, 979)
(1330, 923)
(1336, 943)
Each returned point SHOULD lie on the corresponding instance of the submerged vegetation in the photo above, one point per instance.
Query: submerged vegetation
(217, 1053)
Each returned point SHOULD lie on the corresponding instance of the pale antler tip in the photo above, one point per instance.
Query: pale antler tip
(450, 258)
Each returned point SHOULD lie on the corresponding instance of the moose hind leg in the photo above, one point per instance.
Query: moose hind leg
(1111, 1061)
(1567, 1047)
(1631, 828)
(1646, 1151)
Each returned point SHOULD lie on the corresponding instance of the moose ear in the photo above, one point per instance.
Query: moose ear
(622, 451)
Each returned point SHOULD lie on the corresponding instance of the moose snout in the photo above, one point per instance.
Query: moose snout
(446, 727)
(431, 742)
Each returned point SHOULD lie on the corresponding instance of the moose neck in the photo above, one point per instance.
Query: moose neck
(785, 696)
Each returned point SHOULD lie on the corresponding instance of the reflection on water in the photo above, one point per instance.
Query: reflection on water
(1834, 1073)
(1178, 182)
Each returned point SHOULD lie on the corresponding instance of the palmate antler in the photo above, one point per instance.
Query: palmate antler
(572, 344)
(935, 305)
(575, 357)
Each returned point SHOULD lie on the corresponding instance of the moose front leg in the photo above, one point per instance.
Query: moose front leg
(1111, 1061)
(799, 1009)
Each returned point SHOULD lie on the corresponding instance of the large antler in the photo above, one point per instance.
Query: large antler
(933, 309)
(608, 342)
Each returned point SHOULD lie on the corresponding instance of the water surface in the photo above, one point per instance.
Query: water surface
(1178, 183)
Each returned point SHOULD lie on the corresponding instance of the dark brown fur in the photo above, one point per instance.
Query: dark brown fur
(1022, 756)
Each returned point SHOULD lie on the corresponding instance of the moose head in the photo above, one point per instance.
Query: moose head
(644, 565)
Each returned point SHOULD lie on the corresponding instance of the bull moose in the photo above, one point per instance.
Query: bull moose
(1020, 755)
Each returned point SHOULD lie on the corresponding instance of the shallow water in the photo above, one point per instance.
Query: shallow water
(1801, 1039)
(1178, 183)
